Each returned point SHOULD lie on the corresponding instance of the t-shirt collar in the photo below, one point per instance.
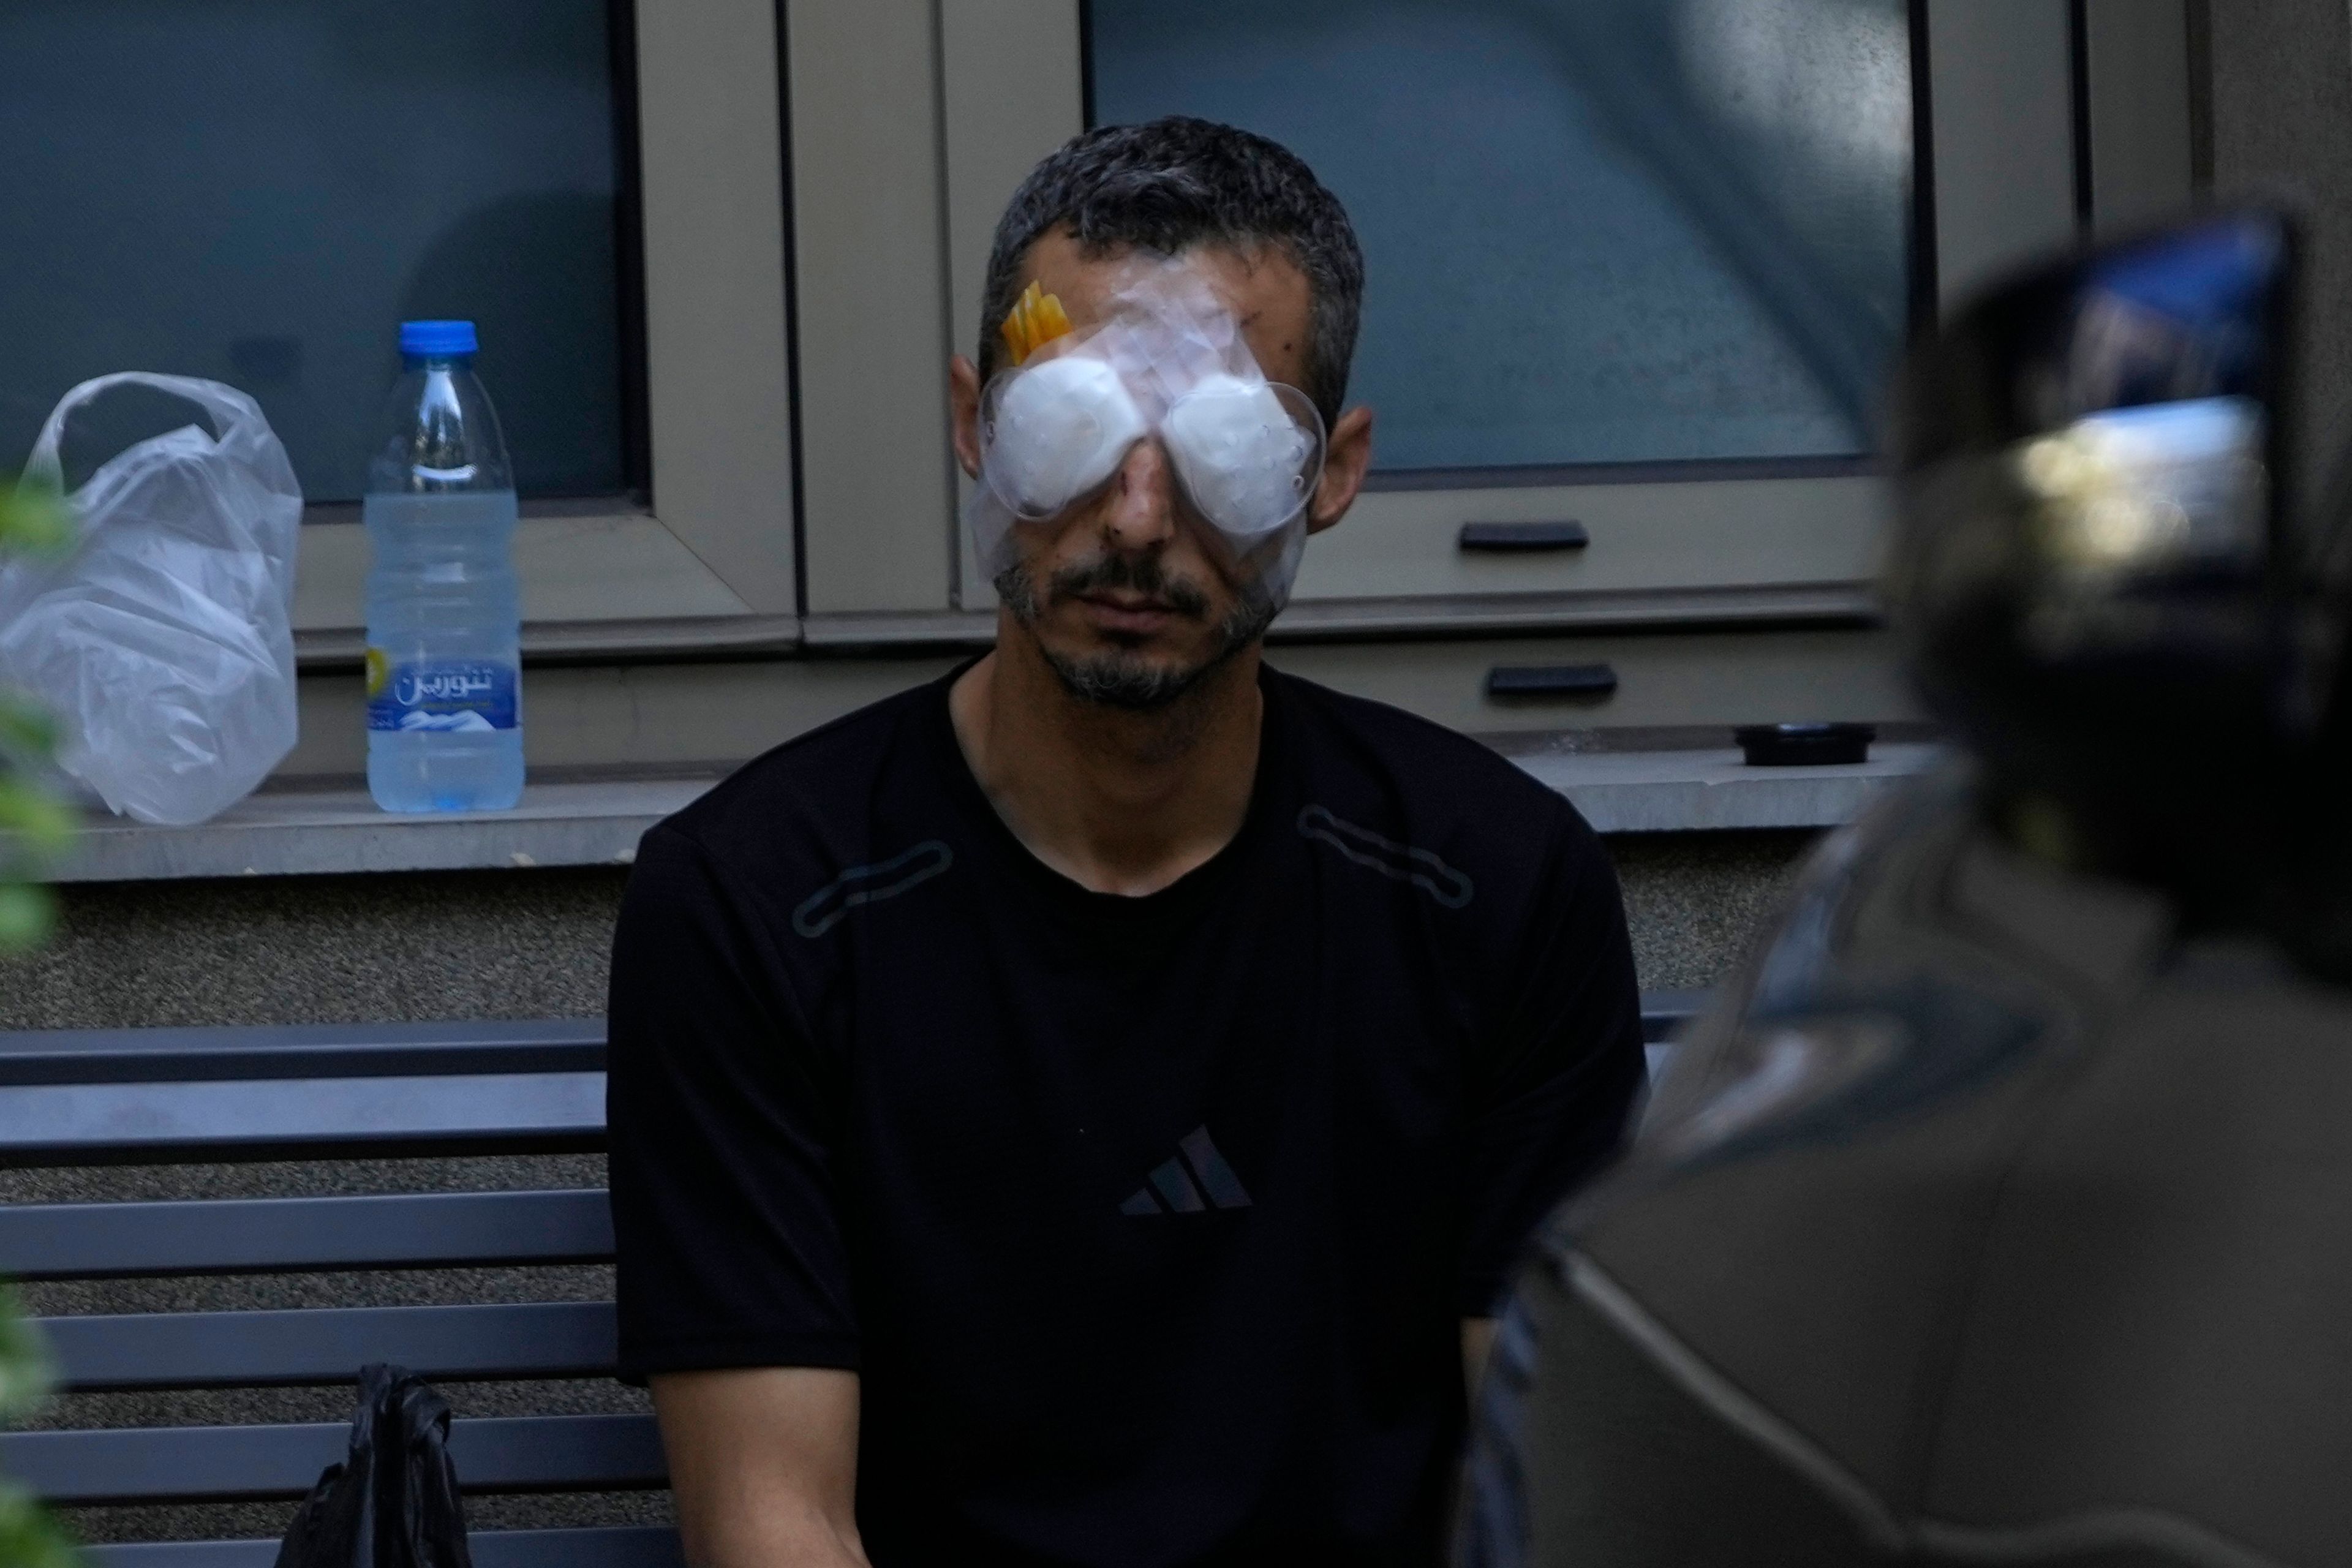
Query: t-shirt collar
(1001, 846)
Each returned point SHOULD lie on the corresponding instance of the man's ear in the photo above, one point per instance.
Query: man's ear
(1347, 456)
(963, 410)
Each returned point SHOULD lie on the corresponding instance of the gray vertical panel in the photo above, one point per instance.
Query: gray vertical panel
(2138, 110)
(868, 238)
(994, 139)
(2000, 85)
(710, 140)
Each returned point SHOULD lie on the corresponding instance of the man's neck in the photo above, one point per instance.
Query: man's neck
(1118, 802)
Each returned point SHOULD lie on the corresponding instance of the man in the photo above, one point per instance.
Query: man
(1994, 1212)
(1081, 1111)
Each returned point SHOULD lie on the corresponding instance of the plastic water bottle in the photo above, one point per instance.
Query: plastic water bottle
(444, 655)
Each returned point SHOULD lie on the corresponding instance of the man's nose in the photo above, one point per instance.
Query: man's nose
(1140, 511)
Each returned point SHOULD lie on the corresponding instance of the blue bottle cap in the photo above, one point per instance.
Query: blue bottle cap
(438, 340)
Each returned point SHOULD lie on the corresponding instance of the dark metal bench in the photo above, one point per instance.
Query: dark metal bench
(168, 1096)
(163, 1096)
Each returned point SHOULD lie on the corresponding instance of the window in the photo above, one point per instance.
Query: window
(372, 164)
(1759, 508)
(1531, 182)
(910, 122)
(259, 191)
(1640, 265)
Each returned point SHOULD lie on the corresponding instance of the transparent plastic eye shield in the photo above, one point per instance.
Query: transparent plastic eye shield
(1170, 364)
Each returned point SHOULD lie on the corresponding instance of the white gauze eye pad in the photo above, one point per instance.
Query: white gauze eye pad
(1240, 454)
(1062, 428)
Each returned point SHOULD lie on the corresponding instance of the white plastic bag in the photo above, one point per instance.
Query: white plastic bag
(164, 644)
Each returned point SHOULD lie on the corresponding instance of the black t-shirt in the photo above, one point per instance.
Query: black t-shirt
(1149, 1222)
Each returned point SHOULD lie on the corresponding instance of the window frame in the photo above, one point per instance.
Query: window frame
(1670, 543)
(712, 564)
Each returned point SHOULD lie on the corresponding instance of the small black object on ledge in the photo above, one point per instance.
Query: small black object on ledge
(1805, 745)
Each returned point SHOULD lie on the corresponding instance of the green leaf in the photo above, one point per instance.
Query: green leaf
(25, 729)
(27, 1373)
(29, 822)
(28, 911)
(34, 523)
(43, 826)
(29, 1538)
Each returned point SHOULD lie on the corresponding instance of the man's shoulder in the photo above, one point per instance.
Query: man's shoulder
(800, 800)
(1382, 770)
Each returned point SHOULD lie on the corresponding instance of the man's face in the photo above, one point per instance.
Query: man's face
(1127, 595)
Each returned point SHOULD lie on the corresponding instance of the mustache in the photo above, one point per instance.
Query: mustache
(1135, 574)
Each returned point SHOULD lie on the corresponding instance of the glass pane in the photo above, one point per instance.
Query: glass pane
(259, 191)
(1596, 231)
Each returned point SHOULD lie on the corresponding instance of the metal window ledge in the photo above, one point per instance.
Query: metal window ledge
(283, 832)
(287, 832)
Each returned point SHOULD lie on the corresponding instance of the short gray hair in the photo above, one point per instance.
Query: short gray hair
(1174, 183)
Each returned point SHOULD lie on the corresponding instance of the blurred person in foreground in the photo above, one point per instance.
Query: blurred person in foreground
(1082, 1110)
(1996, 1212)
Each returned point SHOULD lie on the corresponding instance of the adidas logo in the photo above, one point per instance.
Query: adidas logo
(1197, 1168)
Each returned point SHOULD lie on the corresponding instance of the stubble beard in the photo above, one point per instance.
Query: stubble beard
(1120, 677)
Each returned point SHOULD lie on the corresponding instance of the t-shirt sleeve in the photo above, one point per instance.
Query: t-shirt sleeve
(722, 1123)
(1562, 1064)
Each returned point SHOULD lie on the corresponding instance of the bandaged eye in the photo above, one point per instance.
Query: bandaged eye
(1247, 453)
(1055, 431)
(1166, 362)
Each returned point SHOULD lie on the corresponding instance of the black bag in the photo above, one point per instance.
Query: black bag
(393, 1502)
